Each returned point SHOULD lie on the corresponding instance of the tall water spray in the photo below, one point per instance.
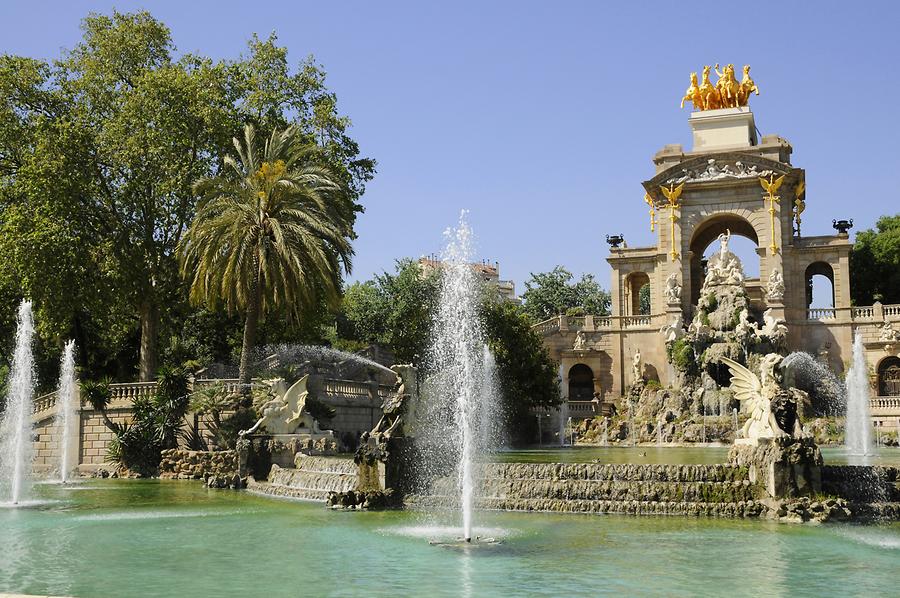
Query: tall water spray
(65, 407)
(461, 368)
(15, 425)
(858, 426)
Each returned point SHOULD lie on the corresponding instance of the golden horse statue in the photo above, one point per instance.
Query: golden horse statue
(728, 87)
(693, 94)
(708, 91)
(747, 87)
(727, 92)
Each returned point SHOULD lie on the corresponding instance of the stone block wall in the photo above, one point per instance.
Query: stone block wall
(198, 465)
(713, 490)
(47, 445)
(96, 437)
(637, 489)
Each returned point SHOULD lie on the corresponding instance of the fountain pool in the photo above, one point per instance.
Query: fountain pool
(140, 538)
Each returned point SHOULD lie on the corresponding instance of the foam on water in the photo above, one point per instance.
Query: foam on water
(139, 515)
(444, 532)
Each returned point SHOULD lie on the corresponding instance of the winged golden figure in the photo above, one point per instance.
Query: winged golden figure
(673, 193)
(757, 392)
(771, 185)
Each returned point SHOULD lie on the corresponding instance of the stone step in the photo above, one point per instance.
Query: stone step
(611, 472)
(312, 494)
(609, 490)
(749, 508)
(326, 465)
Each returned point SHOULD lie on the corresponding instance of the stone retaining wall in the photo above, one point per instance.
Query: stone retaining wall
(707, 490)
(198, 465)
(713, 490)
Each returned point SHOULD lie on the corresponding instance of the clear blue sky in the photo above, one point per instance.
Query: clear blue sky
(541, 117)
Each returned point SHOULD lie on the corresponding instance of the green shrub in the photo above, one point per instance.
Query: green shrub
(682, 356)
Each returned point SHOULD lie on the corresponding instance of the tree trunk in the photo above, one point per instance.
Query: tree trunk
(149, 340)
(250, 325)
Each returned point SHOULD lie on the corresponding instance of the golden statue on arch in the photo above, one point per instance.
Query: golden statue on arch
(727, 92)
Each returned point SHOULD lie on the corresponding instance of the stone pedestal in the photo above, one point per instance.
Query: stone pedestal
(786, 467)
(724, 128)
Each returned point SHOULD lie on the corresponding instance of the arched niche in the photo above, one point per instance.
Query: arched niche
(705, 234)
(889, 377)
(581, 382)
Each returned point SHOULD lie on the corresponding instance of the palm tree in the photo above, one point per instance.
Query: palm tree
(273, 230)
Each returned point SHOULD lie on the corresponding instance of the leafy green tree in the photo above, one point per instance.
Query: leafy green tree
(393, 309)
(275, 230)
(98, 153)
(875, 263)
(527, 375)
(549, 294)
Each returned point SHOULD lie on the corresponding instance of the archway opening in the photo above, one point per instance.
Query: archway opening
(638, 288)
(581, 383)
(744, 243)
(889, 377)
(819, 286)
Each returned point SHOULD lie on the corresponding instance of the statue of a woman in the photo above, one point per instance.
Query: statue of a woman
(723, 239)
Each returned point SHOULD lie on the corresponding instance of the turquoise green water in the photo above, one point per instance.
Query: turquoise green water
(151, 538)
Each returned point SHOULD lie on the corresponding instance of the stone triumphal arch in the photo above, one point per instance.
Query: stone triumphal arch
(732, 181)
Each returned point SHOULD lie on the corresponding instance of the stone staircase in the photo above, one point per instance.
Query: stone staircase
(711, 490)
(313, 478)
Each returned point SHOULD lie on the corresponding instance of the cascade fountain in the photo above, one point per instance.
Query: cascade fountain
(858, 427)
(65, 407)
(15, 426)
(462, 380)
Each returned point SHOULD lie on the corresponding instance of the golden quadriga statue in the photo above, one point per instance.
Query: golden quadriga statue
(726, 93)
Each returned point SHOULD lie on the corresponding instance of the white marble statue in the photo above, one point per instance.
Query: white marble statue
(888, 334)
(724, 267)
(284, 412)
(672, 291)
(673, 331)
(580, 342)
(773, 328)
(756, 392)
(775, 286)
(746, 329)
(637, 368)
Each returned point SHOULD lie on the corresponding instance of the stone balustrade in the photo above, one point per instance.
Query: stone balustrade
(346, 388)
(581, 409)
(591, 323)
(44, 403)
(821, 313)
(891, 404)
(875, 313)
(127, 392)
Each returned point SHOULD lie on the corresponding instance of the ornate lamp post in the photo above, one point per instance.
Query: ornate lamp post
(799, 203)
(771, 187)
(653, 220)
(672, 194)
